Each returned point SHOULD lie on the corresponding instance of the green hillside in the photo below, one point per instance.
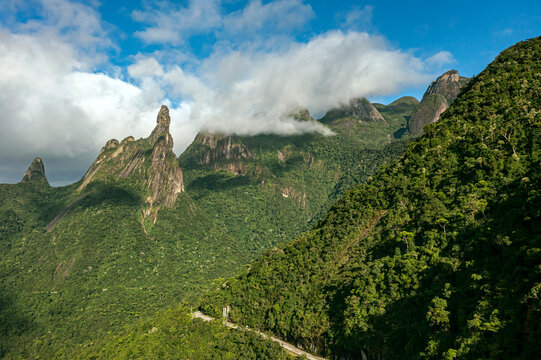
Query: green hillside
(172, 334)
(398, 114)
(437, 256)
(142, 231)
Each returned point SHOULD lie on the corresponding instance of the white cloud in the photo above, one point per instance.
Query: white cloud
(53, 109)
(175, 26)
(274, 16)
(56, 107)
(249, 93)
(359, 18)
(205, 16)
(72, 23)
(61, 110)
(440, 59)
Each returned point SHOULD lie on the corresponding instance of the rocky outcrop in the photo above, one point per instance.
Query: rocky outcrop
(35, 172)
(440, 94)
(150, 162)
(297, 197)
(164, 175)
(449, 85)
(428, 111)
(162, 125)
(360, 109)
(221, 152)
(302, 115)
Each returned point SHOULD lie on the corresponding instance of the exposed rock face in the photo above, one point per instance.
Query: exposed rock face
(35, 172)
(299, 198)
(111, 144)
(224, 152)
(165, 177)
(302, 115)
(360, 109)
(449, 85)
(440, 94)
(162, 128)
(150, 162)
(428, 111)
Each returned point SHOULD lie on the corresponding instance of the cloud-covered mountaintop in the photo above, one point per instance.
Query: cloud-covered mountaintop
(75, 74)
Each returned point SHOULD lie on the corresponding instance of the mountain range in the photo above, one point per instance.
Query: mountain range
(418, 259)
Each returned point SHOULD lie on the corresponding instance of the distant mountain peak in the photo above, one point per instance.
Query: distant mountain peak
(301, 114)
(441, 93)
(220, 151)
(163, 121)
(151, 159)
(448, 84)
(35, 172)
(358, 108)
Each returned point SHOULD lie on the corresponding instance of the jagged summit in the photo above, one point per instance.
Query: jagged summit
(360, 109)
(163, 121)
(441, 93)
(302, 115)
(448, 84)
(220, 151)
(35, 172)
(150, 162)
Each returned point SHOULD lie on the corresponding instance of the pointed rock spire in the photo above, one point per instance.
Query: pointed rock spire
(35, 172)
(162, 124)
(151, 161)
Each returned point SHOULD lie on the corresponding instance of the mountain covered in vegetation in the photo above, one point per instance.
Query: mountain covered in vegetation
(143, 229)
(422, 260)
(437, 256)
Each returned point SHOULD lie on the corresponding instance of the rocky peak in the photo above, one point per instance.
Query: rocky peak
(221, 152)
(437, 98)
(150, 161)
(448, 84)
(359, 108)
(35, 172)
(302, 115)
(111, 144)
(162, 125)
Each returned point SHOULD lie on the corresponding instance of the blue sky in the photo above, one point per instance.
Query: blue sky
(75, 74)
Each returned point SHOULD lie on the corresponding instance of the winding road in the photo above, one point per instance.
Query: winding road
(291, 348)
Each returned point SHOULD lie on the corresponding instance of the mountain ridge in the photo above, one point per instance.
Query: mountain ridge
(99, 244)
(150, 162)
(422, 261)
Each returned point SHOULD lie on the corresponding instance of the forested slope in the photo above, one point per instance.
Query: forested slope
(437, 256)
(140, 233)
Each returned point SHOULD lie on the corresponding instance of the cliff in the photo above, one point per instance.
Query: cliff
(35, 172)
(440, 94)
(149, 163)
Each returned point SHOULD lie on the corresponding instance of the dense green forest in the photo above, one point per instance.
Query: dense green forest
(81, 261)
(172, 334)
(437, 256)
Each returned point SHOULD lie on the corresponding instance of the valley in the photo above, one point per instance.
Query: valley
(143, 229)
(403, 228)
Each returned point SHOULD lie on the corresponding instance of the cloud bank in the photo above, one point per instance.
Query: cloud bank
(174, 24)
(61, 108)
(250, 93)
(53, 109)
